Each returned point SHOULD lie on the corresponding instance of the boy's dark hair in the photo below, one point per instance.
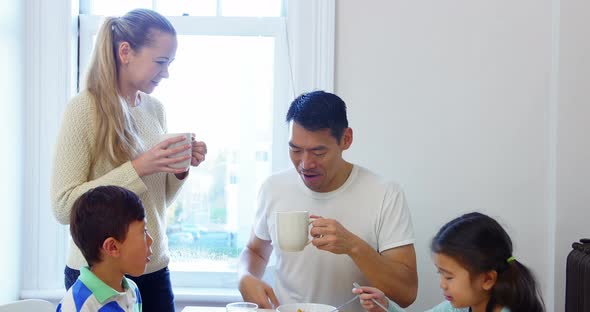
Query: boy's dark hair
(480, 244)
(100, 213)
(319, 110)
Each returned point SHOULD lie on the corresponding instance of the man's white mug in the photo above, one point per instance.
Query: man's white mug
(292, 230)
(183, 164)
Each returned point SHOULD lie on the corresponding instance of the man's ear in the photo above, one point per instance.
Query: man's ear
(346, 138)
(489, 280)
(110, 246)
(124, 52)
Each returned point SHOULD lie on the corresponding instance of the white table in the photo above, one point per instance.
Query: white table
(215, 309)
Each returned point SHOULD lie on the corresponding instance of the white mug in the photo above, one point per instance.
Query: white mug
(183, 164)
(293, 230)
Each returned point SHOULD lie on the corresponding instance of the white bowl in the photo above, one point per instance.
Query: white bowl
(305, 307)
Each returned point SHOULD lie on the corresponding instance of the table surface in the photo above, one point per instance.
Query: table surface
(215, 309)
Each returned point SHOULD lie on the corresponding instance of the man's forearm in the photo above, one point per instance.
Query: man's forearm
(251, 263)
(397, 280)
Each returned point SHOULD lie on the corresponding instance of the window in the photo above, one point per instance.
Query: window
(216, 205)
(229, 85)
(236, 102)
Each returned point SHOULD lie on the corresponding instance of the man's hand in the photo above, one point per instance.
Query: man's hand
(257, 291)
(330, 235)
(393, 271)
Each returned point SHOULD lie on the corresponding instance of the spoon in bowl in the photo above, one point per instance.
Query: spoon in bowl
(347, 302)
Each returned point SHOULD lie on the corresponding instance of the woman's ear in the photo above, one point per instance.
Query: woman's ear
(489, 280)
(110, 246)
(124, 52)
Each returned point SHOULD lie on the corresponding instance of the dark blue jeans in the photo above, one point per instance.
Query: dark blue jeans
(155, 289)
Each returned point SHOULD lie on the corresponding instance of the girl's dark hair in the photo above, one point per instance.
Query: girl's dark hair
(319, 110)
(481, 245)
(100, 213)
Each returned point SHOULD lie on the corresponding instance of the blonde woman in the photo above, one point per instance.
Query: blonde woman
(106, 135)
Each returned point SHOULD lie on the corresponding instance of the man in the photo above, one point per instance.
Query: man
(361, 225)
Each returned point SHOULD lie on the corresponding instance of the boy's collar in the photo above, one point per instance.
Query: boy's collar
(102, 292)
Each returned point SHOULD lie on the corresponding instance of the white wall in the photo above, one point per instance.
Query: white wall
(12, 140)
(453, 100)
(573, 143)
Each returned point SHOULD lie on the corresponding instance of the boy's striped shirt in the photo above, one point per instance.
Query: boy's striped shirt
(89, 293)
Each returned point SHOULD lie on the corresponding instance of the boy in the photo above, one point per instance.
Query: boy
(107, 223)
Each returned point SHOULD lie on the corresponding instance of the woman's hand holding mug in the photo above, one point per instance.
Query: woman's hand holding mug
(199, 150)
(167, 156)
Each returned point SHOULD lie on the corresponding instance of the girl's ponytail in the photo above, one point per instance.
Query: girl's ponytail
(516, 289)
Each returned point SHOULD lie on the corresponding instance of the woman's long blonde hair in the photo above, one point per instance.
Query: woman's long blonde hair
(117, 140)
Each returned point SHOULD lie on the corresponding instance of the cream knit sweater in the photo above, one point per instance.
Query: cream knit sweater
(73, 174)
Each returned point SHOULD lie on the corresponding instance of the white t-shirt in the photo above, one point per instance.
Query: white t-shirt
(367, 205)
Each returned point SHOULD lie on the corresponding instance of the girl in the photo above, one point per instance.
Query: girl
(478, 273)
(106, 129)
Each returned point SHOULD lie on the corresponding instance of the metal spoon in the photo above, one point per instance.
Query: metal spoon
(347, 302)
(356, 285)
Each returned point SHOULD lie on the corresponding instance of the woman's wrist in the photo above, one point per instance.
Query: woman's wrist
(136, 167)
